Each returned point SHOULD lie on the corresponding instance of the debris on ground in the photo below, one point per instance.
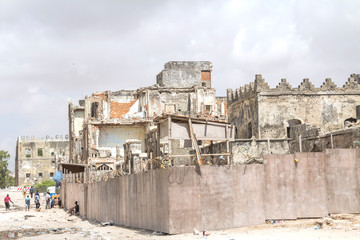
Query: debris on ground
(110, 223)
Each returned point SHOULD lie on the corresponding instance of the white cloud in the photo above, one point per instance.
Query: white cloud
(52, 50)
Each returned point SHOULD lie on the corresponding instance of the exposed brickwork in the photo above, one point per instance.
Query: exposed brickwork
(118, 110)
(99, 96)
(205, 76)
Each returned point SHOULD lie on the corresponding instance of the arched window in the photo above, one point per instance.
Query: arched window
(291, 123)
(349, 122)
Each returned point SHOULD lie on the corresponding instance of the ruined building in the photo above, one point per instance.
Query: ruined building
(285, 112)
(107, 128)
(37, 158)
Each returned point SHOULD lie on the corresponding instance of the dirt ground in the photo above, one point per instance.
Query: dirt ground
(57, 224)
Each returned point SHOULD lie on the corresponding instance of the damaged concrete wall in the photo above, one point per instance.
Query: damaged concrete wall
(182, 88)
(185, 101)
(123, 104)
(180, 74)
(273, 109)
(246, 151)
(37, 158)
(347, 138)
(112, 136)
(76, 124)
(106, 142)
(327, 112)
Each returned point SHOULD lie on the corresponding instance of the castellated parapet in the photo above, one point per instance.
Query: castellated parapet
(259, 85)
(46, 138)
(263, 112)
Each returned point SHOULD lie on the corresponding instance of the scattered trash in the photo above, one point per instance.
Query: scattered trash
(196, 232)
(157, 233)
(107, 223)
(27, 216)
(316, 227)
(26, 227)
(206, 233)
(329, 221)
(319, 224)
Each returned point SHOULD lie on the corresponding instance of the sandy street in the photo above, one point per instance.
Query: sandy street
(57, 224)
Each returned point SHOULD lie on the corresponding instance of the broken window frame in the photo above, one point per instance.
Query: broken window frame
(95, 110)
(208, 109)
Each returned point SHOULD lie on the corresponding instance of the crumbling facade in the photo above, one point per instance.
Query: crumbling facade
(103, 124)
(264, 112)
(37, 158)
(293, 118)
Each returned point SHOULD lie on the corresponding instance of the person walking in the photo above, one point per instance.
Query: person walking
(31, 191)
(47, 198)
(27, 203)
(7, 199)
(37, 201)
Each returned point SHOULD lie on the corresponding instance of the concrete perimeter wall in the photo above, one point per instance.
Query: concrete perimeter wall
(178, 199)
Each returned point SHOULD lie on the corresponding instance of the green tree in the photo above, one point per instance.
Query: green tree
(5, 179)
(42, 187)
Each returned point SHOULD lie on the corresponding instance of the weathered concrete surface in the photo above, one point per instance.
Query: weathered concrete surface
(279, 195)
(137, 200)
(37, 158)
(248, 201)
(72, 192)
(178, 199)
(184, 74)
(311, 142)
(311, 194)
(185, 200)
(216, 197)
(261, 111)
(220, 198)
(342, 180)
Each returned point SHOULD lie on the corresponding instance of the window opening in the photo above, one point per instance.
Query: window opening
(27, 153)
(40, 152)
(95, 109)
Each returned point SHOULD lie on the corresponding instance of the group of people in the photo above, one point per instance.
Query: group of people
(49, 204)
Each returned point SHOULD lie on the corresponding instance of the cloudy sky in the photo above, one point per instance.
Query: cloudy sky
(54, 50)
